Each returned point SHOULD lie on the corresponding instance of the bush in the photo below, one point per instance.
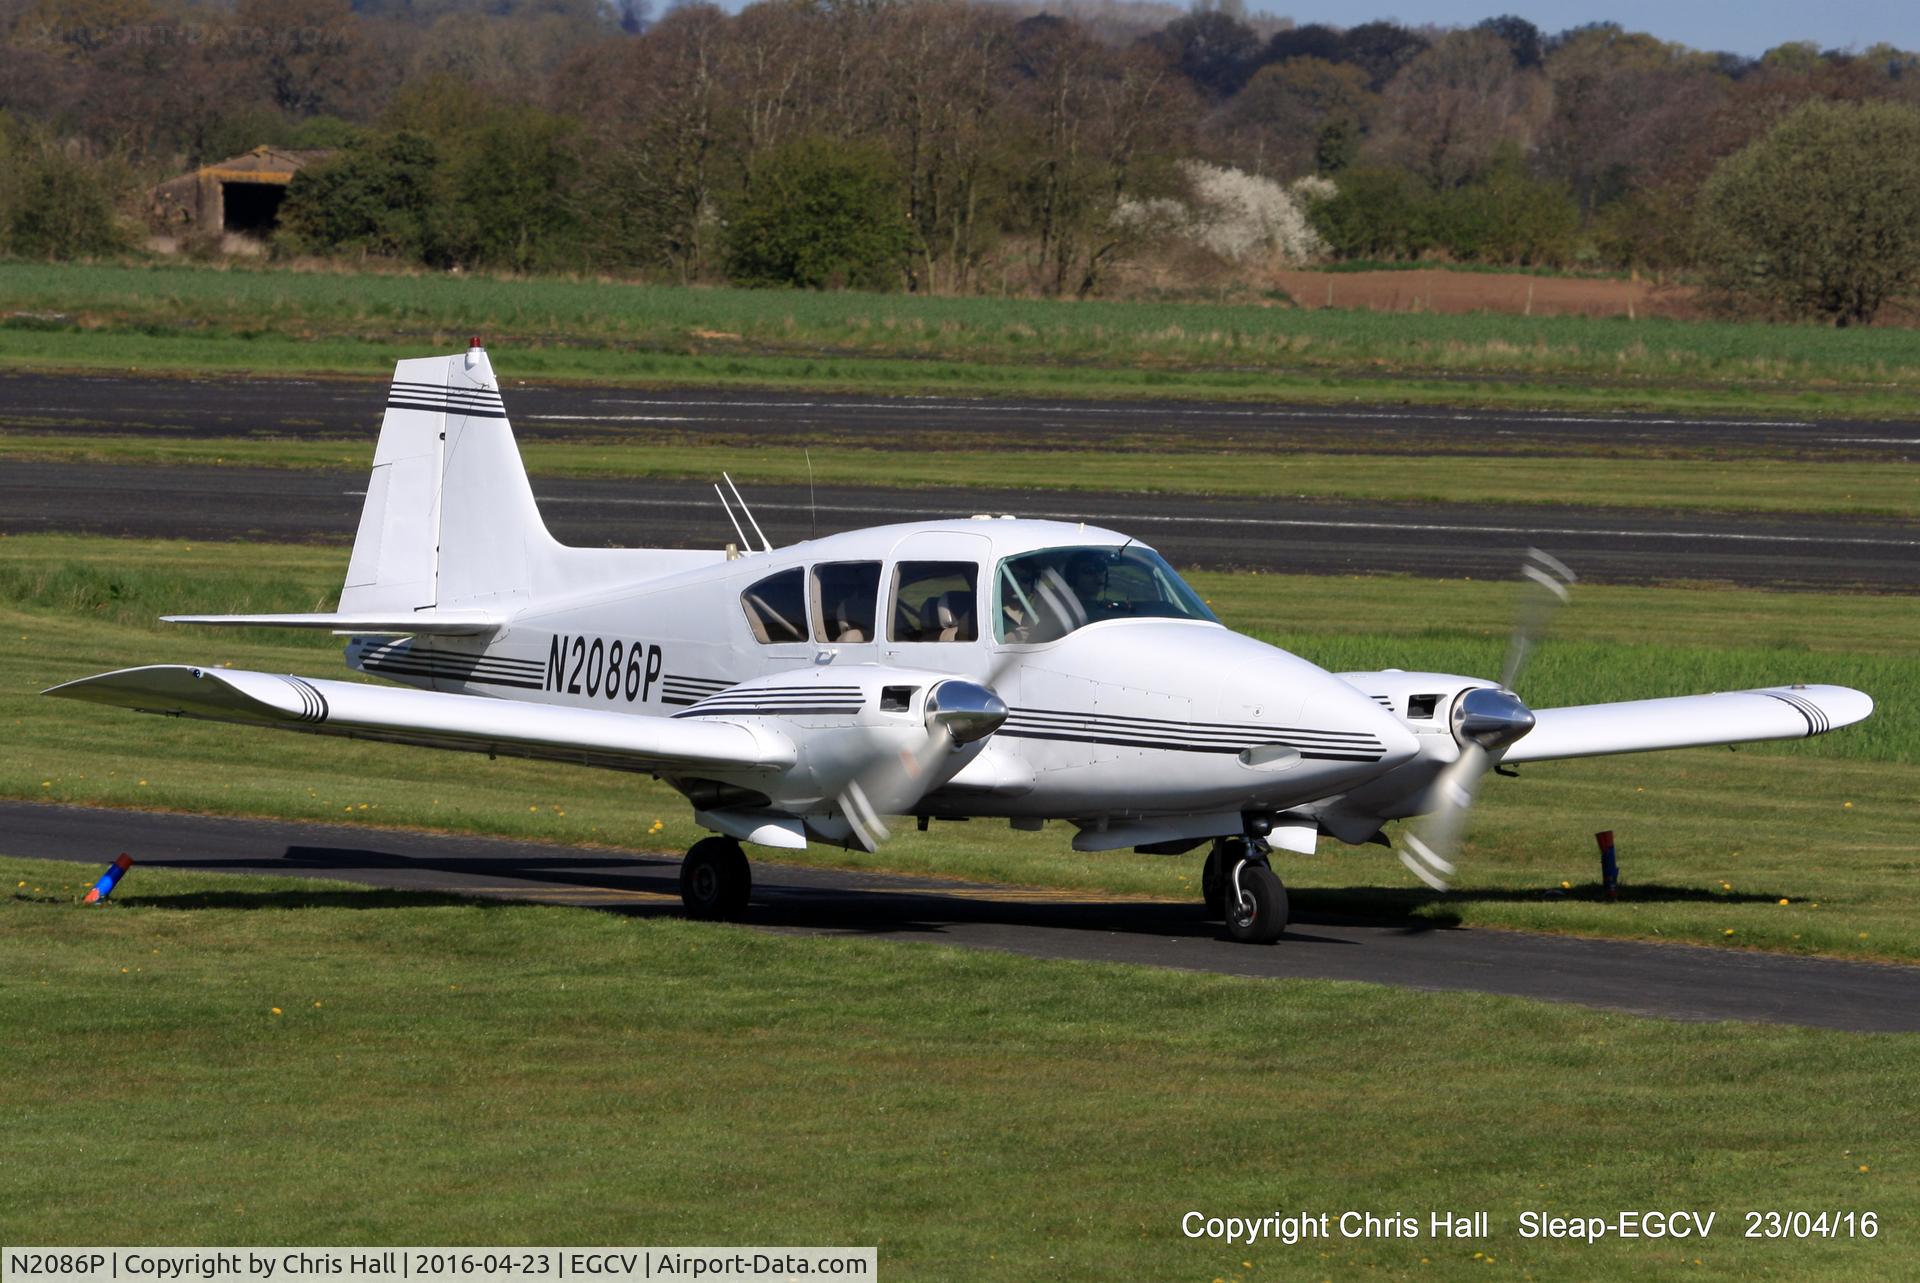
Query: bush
(506, 192)
(1375, 213)
(376, 197)
(820, 214)
(1821, 216)
(1510, 219)
(54, 205)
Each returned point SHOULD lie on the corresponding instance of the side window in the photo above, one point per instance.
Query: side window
(776, 607)
(934, 601)
(846, 595)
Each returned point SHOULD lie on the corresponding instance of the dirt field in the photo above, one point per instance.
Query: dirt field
(1442, 291)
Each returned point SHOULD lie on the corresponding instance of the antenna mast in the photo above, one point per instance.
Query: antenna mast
(765, 546)
(813, 505)
(741, 534)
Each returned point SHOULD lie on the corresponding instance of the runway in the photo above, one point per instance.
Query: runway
(1671, 981)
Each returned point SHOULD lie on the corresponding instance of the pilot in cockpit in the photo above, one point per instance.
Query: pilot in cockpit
(1087, 576)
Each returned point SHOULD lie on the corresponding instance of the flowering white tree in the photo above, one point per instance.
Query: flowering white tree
(1241, 217)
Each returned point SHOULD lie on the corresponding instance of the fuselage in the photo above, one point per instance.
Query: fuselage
(1127, 698)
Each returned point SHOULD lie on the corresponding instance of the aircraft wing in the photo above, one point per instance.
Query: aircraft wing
(471, 723)
(1689, 721)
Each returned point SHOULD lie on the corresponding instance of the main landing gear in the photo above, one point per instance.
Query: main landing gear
(1240, 886)
(715, 880)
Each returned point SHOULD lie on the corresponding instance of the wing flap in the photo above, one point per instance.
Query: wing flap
(1689, 721)
(446, 623)
(470, 723)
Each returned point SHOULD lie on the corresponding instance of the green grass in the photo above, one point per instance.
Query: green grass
(445, 1072)
(198, 319)
(1770, 822)
(1880, 489)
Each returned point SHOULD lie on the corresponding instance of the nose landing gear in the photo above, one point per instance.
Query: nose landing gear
(715, 880)
(1240, 886)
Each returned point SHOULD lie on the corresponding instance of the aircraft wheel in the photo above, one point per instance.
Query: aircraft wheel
(1259, 915)
(1225, 854)
(714, 879)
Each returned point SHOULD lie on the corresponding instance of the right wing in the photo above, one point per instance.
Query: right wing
(433, 719)
(1689, 721)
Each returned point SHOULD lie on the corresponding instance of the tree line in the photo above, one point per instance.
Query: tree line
(951, 146)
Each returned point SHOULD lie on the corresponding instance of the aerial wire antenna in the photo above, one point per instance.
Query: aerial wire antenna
(813, 506)
(741, 534)
(765, 545)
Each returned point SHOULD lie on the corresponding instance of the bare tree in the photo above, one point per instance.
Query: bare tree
(1447, 114)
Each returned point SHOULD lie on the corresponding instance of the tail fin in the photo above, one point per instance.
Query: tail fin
(450, 539)
(449, 522)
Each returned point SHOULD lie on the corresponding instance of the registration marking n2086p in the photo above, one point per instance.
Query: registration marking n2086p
(609, 668)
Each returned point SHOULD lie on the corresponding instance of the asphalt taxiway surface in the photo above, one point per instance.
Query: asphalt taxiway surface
(1672, 981)
(1280, 533)
(1297, 536)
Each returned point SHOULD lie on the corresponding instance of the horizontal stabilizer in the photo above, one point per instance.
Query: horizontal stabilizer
(1689, 721)
(440, 623)
(470, 723)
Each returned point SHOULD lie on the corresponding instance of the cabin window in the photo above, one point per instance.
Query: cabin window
(846, 597)
(776, 608)
(935, 601)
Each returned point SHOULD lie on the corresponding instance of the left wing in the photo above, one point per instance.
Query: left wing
(433, 719)
(1689, 721)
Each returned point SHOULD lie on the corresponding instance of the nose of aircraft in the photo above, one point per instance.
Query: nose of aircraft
(1332, 703)
(1338, 727)
(1229, 679)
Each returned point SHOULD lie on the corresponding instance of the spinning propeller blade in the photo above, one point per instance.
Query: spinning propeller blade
(1545, 580)
(1486, 723)
(958, 712)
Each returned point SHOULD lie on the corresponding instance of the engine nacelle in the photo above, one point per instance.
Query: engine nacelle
(845, 718)
(1427, 703)
(1424, 701)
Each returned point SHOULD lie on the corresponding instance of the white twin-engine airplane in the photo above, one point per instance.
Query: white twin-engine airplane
(1028, 670)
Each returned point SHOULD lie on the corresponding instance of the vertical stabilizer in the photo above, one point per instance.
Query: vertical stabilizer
(449, 522)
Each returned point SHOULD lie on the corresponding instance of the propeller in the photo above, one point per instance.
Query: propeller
(1486, 723)
(959, 712)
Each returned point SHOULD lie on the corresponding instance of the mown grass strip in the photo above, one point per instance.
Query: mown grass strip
(1710, 841)
(1878, 489)
(381, 1067)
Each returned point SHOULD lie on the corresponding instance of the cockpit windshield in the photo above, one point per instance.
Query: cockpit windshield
(1048, 594)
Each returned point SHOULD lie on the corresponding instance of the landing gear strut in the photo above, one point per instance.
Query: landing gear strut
(714, 879)
(1239, 885)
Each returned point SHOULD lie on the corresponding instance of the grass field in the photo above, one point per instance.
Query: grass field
(186, 318)
(1711, 841)
(218, 1060)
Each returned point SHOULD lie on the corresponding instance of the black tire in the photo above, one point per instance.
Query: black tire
(1213, 875)
(1261, 916)
(715, 880)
